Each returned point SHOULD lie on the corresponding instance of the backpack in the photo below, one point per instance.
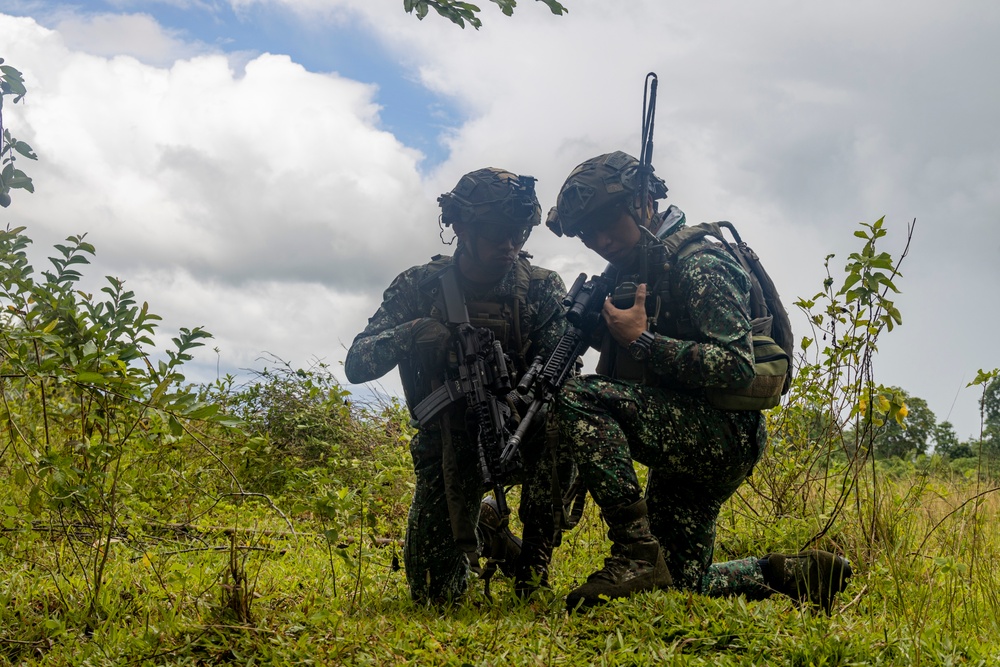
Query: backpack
(771, 330)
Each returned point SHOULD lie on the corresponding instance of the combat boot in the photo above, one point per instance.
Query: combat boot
(812, 576)
(531, 570)
(499, 546)
(636, 562)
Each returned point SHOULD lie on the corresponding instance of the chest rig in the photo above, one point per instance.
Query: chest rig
(506, 316)
(668, 315)
(665, 314)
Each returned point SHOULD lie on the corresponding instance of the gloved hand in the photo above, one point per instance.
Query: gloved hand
(429, 340)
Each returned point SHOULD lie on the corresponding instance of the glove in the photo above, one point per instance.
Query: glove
(429, 341)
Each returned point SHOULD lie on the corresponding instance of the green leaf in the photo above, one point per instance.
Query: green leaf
(91, 378)
(25, 150)
(851, 280)
(888, 283)
(158, 392)
(202, 411)
(984, 377)
(229, 421)
(35, 500)
(506, 6)
(19, 180)
(883, 261)
(555, 7)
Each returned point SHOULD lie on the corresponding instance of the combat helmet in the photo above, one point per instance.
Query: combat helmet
(597, 185)
(492, 196)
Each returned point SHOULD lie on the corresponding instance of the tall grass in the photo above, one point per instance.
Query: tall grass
(143, 521)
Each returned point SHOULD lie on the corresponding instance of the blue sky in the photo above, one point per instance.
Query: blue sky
(408, 110)
(272, 198)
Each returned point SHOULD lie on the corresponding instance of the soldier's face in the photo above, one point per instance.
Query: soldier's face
(493, 251)
(614, 238)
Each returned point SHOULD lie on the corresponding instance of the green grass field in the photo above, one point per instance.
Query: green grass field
(145, 521)
(240, 583)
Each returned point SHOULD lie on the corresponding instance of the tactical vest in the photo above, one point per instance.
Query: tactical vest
(770, 327)
(509, 318)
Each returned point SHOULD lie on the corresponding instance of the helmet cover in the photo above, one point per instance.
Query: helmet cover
(492, 196)
(595, 186)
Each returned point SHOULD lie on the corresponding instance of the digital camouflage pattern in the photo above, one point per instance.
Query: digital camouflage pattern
(736, 577)
(436, 569)
(386, 341)
(698, 455)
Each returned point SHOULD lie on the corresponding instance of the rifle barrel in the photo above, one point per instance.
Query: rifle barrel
(514, 443)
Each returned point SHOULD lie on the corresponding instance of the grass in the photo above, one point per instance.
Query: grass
(137, 527)
(924, 593)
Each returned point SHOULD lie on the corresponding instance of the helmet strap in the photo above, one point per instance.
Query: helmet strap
(467, 244)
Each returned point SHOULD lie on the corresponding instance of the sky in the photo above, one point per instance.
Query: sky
(264, 168)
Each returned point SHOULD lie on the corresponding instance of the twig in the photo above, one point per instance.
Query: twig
(280, 552)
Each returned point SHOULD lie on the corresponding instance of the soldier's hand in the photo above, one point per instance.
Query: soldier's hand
(429, 339)
(625, 324)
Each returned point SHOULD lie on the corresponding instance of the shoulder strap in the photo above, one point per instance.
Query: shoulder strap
(521, 284)
(781, 327)
(685, 236)
(765, 303)
(429, 283)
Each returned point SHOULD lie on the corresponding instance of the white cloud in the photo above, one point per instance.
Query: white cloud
(255, 205)
(276, 189)
(136, 35)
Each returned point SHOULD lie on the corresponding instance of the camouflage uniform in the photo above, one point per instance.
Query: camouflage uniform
(656, 413)
(684, 398)
(436, 568)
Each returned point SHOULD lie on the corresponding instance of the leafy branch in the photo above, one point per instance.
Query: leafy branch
(12, 83)
(461, 13)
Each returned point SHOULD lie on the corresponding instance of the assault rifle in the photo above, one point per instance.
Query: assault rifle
(545, 377)
(480, 378)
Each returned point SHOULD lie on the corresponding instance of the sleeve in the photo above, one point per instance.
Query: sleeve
(550, 320)
(715, 293)
(386, 340)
